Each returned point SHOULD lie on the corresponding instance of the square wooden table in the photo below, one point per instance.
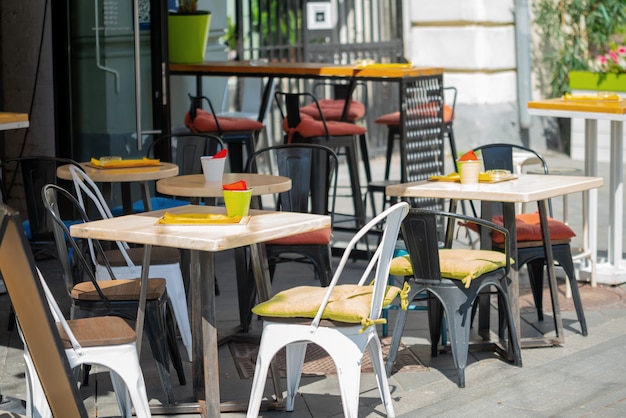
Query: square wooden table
(613, 271)
(204, 241)
(523, 189)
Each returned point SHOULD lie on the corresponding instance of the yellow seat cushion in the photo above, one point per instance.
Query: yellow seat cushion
(348, 303)
(457, 264)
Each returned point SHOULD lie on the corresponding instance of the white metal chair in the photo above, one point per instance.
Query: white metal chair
(345, 341)
(126, 262)
(107, 341)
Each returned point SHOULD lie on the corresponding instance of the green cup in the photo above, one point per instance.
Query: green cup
(237, 202)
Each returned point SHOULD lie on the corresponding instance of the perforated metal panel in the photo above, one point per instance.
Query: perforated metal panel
(421, 147)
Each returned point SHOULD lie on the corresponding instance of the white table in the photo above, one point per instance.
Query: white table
(524, 189)
(613, 271)
(204, 241)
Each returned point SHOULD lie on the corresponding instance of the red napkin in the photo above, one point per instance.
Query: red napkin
(221, 154)
(238, 185)
(469, 156)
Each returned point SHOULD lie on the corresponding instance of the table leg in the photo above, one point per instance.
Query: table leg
(616, 193)
(141, 309)
(127, 198)
(508, 214)
(590, 197)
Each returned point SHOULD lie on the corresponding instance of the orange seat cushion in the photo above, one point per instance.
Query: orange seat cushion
(333, 110)
(319, 237)
(205, 122)
(528, 226)
(393, 119)
(312, 128)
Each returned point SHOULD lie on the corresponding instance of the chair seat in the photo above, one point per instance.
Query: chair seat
(332, 109)
(319, 237)
(98, 331)
(121, 289)
(393, 119)
(312, 128)
(205, 122)
(528, 226)
(158, 256)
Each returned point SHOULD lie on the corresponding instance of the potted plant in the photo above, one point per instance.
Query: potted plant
(607, 72)
(188, 32)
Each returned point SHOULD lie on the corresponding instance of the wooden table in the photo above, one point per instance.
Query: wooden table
(524, 189)
(614, 270)
(13, 121)
(195, 186)
(204, 241)
(420, 88)
(125, 176)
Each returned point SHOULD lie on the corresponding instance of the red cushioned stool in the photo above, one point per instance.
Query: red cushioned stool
(302, 128)
(342, 106)
(236, 133)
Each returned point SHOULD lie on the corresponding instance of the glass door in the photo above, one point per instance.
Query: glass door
(110, 76)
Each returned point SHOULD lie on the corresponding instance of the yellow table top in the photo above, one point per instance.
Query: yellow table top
(595, 106)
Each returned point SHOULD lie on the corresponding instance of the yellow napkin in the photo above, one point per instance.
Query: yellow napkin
(612, 97)
(198, 218)
(144, 162)
(457, 177)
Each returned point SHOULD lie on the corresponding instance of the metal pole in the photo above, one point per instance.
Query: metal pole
(522, 48)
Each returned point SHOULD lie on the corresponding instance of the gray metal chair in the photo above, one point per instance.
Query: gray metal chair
(420, 233)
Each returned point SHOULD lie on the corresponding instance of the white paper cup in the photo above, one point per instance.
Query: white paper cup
(469, 171)
(213, 168)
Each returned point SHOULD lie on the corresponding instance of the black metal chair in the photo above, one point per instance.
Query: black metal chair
(428, 270)
(91, 297)
(530, 250)
(36, 172)
(339, 136)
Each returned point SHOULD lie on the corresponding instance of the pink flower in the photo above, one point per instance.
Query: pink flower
(621, 50)
(601, 59)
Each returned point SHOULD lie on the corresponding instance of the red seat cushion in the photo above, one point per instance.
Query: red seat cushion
(333, 110)
(393, 119)
(312, 128)
(205, 122)
(319, 237)
(529, 228)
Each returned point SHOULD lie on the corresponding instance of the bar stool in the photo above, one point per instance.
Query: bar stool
(392, 121)
(236, 133)
(300, 127)
(336, 109)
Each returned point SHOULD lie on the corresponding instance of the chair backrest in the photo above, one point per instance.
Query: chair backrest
(37, 324)
(36, 171)
(90, 198)
(500, 156)
(421, 237)
(312, 169)
(253, 104)
(75, 265)
(341, 90)
(390, 221)
(425, 232)
(185, 149)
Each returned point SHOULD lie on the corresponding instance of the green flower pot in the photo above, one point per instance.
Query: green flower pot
(586, 80)
(187, 36)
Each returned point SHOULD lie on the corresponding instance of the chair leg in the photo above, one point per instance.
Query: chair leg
(295, 353)
(391, 137)
(376, 356)
(156, 336)
(398, 330)
(435, 318)
(365, 157)
(172, 345)
(535, 276)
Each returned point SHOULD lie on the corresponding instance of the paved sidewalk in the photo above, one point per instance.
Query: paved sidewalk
(582, 377)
